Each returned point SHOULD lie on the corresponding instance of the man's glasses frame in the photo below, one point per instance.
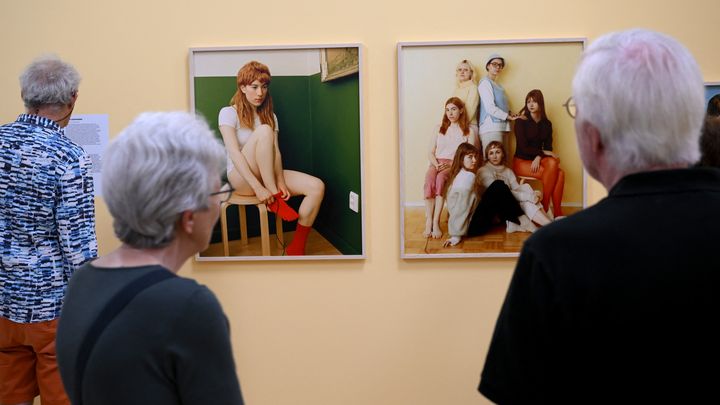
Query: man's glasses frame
(226, 188)
(570, 107)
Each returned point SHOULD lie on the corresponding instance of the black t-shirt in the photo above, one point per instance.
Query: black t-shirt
(618, 303)
(170, 345)
(532, 138)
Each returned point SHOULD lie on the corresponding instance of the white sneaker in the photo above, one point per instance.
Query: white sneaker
(454, 240)
(512, 227)
(526, 224)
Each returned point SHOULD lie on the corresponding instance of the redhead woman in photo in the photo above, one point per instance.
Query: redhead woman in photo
(250, 129)
(533, 154)
(444, 141)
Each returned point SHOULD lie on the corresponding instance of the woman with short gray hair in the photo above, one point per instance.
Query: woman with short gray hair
(50, 86)
(169, 343)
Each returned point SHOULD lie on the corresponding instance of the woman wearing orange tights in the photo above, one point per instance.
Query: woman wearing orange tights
(533, 153)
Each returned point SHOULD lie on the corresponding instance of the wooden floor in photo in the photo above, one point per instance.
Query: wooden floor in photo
(316, 245)
(495, 241)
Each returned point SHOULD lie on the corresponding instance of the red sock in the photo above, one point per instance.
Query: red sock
(297, 246)
(280, 207)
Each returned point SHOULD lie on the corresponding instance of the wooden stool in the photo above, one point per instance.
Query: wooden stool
(523, 179)
(242, 201)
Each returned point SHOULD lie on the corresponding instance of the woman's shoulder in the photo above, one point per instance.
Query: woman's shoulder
(228, 116)
(507, 171)
(228, 109)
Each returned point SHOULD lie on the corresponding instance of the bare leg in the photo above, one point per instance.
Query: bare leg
(259, 152)
(558, 194)
(261, 155)
(239, 184)
(436, 232)
(429, 208)
(312, 188)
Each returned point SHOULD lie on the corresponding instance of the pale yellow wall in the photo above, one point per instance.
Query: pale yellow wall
(379, 331)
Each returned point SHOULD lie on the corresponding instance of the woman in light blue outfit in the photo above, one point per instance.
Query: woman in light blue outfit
(494, 110)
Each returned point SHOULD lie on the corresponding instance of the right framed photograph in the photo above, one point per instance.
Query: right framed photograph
(487, 144)
(712, 89)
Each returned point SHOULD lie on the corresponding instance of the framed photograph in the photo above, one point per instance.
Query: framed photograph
(288, 134)
(441, 85)
(711, 89)
(338, 62)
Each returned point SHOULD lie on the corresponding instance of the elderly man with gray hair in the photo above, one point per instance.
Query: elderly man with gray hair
(132, 331)
(619, 303)
(47, 230)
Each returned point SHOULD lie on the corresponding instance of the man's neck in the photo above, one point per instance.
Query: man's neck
(59, 114)
(610, 179)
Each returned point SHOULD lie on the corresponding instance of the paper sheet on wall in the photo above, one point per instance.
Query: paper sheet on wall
(91, 132)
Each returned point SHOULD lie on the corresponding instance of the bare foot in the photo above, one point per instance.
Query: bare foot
(436, 232)
(428, 229)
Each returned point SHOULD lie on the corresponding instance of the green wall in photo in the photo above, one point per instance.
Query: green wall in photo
(319, 135)
(335, 112)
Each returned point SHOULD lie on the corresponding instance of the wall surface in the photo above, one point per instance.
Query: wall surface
(379, 331)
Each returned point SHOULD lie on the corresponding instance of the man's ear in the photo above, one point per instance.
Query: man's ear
(187, 221)
(594, 139)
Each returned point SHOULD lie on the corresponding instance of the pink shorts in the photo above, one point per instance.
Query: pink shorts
(434, 180)
(28, 366)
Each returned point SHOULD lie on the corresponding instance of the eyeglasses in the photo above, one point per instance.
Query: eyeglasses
(497, 65)
(225, 192)
(570, 107)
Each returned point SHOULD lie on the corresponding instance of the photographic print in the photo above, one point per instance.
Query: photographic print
(711, 89)
(294, 151)
(487, 144)
(338, 62)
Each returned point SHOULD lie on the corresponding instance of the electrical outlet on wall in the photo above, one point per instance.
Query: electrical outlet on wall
(354, 202)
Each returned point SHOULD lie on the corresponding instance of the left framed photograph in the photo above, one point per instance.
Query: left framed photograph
(294, 151)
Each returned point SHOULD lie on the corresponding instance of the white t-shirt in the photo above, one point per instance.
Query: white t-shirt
(446, 145)
(228, 117)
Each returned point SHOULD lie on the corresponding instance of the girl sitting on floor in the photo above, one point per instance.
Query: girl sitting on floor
(495, 169)
(461, 191)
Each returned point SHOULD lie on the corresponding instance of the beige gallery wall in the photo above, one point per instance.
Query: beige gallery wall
(378, 331)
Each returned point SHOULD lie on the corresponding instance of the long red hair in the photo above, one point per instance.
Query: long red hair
(462, 120)
(247, 74)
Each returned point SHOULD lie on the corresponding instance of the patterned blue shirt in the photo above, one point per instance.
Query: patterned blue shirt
(47, 217)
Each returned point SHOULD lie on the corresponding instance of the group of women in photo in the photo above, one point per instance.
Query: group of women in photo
(469, 164)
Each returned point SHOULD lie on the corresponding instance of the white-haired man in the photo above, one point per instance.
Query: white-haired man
(619, 303)
(47, 230)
